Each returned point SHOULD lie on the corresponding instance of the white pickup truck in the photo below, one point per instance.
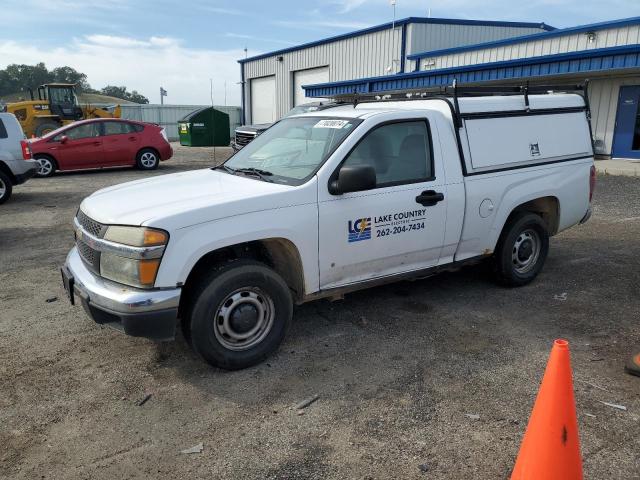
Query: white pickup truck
(329, 202)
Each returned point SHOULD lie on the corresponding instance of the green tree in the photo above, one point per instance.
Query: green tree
(121, 92)
(137, 97)
(70, 75)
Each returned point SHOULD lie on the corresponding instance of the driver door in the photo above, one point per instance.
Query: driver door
(391, 228)
(83, 148)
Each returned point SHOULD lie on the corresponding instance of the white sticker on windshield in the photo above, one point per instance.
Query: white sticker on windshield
(331, 124)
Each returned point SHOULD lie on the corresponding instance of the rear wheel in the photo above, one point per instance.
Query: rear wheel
(44, 128)
(6, 187)
(240, 314)
(147, 159)
(522, 250)
(46, 166)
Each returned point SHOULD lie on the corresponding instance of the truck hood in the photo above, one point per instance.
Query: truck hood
(260, 127)
(184, 199)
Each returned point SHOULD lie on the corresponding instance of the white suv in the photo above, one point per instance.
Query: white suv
(16, 164)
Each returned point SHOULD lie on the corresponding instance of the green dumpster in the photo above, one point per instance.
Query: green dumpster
(206, 127)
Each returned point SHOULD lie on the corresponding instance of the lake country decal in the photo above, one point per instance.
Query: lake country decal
(385, 225)
(359, 229)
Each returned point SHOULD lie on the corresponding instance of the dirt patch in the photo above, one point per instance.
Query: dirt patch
(397, 368)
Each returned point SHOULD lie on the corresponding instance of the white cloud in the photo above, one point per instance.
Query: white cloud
(141, 64)
(257, 39)
(321, 25)
(346, 6)
(222, 11)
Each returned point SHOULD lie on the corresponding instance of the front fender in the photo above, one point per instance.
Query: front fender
(297, 224)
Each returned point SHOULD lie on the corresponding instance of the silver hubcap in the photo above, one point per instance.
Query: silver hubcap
(44, 166)
(148, 159)
(244, 319)
(526, 251)
(3, 189)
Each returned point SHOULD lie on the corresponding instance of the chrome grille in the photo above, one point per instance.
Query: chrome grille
(89, 225)
(87, 253)
(243, 138)
(89, 256)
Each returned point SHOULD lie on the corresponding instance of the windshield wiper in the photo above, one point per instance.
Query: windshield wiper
(262, 174)
(232, 171)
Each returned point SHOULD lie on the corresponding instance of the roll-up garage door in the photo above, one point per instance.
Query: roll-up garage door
(263, 100)
(308, 77)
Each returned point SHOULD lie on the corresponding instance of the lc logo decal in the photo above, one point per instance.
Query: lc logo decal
(360, 229)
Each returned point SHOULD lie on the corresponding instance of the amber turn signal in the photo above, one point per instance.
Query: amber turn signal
(147, 271)
(154, 237)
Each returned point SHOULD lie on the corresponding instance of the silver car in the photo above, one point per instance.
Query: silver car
(16, 164)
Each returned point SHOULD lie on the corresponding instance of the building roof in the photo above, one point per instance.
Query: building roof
(404, 21)
(536, 36)
(581, 62)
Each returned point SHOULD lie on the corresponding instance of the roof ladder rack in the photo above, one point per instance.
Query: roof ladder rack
(455, 91)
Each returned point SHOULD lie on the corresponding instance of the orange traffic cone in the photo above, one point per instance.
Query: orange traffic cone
(551, 447)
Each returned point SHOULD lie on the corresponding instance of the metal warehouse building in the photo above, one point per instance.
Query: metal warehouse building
(272, 83)
(608, 54)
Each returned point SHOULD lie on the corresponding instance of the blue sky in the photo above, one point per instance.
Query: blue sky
(181, 45)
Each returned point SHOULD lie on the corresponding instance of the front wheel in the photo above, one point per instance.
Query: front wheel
(522, 250)
(147, 159)
(6, 187)
(240, 314)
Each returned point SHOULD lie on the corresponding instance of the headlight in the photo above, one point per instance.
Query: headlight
(137, 273)
(136, 236)
(132, 268)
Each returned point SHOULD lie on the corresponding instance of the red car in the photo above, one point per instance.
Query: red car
(100, 143)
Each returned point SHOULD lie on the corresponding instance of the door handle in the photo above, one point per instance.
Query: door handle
(97, 144)
(429, 198)
(133, 139)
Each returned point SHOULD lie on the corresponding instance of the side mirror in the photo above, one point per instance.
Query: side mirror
(353, 178)
(64, 139)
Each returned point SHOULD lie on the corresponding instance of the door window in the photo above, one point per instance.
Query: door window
(87, 130)
(399, 152)
(117, 128)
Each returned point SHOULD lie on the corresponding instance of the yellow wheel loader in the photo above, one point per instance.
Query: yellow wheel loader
(56, 105)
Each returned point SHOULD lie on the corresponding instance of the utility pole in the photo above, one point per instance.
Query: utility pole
(391, 68)
(393, 4)
(163, 93)
(213, 122)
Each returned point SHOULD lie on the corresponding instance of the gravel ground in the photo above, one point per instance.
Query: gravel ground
(397, 368)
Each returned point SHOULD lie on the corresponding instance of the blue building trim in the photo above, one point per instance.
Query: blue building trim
(602, 59)
(403, 47)
(403, 22)
(535, 36)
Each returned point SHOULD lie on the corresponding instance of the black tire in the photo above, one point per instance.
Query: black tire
(6, 187)
(235, 299)
(522, 250)
(147, 159)
(45, 128)
(47, 166)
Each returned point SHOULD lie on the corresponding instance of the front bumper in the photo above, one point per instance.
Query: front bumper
(136, 312)
(27, 174)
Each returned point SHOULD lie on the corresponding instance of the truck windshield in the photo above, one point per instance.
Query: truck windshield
(293, 149)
